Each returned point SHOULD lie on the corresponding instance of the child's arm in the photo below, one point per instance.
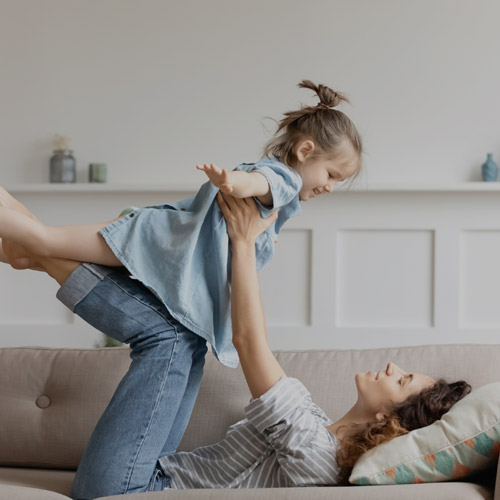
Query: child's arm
(239, 184)
(244, 224)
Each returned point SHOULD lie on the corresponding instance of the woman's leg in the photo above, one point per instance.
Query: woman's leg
(130, 436)
(151, 406)
(150, 409)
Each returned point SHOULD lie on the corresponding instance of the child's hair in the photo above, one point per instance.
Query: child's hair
(329, 129)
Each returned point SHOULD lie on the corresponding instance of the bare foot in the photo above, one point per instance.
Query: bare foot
(8, 201)
(18, 257)
(3, 257)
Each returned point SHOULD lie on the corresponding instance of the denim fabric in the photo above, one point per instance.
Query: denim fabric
(159, 481)
(150, 409)
(182, 252)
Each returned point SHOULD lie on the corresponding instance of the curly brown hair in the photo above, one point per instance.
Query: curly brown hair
(416, 411)
(329, 128)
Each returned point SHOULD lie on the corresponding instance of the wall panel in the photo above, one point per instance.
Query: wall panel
(360, 268)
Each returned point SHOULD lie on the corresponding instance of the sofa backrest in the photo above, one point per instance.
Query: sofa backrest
(51, 399)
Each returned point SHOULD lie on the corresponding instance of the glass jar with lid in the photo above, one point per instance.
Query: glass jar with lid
(62, 166)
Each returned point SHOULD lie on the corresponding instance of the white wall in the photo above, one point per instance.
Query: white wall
(153, 87)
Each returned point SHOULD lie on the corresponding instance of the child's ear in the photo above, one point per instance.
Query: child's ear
(304, 149)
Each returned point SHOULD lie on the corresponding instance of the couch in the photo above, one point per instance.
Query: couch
(51, 399)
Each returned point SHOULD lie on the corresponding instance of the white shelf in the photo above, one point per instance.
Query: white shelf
(87, 187)
(437, 187)
(192, 187)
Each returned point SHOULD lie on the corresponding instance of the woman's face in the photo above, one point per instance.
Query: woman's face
(378, 390)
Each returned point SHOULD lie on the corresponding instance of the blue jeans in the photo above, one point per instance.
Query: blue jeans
(150, 409)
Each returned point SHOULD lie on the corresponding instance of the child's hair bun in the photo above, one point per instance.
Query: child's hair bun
(328, 98)
(328, 127)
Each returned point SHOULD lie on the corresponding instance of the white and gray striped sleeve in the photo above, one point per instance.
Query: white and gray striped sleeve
(305, 449)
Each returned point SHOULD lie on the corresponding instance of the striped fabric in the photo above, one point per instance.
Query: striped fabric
(282, 442)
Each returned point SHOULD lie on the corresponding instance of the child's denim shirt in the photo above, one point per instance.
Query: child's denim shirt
(182, 253)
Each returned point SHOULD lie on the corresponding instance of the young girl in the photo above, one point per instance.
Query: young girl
(181, 251)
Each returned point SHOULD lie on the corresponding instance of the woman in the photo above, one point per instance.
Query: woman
(285, 440)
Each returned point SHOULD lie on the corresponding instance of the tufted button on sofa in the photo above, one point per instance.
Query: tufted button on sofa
(43, 401)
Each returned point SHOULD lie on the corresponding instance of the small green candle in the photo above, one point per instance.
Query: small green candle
(98, 172)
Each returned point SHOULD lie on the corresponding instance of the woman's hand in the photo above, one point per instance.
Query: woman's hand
(243, 219)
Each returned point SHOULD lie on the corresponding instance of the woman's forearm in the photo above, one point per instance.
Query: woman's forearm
(260, 367)
(247, 314)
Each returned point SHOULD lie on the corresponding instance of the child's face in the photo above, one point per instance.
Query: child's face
(320, 175)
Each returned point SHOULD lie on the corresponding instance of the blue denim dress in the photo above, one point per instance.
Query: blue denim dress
(182, 253)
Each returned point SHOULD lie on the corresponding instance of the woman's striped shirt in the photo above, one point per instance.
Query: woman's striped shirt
(283, 441)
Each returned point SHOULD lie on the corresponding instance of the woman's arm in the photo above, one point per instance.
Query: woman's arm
(244, 224)
(238, 183)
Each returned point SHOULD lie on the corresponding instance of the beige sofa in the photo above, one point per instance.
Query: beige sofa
(50, 400)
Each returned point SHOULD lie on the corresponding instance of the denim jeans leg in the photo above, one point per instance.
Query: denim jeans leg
(188, 400)
(124, 448)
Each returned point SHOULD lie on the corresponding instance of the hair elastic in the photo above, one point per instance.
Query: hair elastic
(325, 105)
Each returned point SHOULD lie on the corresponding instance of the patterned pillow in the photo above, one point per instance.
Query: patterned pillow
(464, 440)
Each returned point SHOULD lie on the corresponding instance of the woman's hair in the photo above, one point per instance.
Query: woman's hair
(330, 129)
(418, 410)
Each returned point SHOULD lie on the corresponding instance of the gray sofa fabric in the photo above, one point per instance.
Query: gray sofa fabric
(449, 491)
(58, 481)
(51, 399)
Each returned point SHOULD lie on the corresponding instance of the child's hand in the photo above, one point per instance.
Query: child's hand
(219, 178)
(243, 219)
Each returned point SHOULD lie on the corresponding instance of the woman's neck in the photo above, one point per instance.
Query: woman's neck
(354, 416)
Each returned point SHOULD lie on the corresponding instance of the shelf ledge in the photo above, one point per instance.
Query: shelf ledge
(190, 187)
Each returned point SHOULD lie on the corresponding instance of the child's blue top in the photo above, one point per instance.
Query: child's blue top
(182, 252)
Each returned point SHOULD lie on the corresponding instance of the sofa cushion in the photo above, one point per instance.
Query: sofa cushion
(51, 400)
(463, 441)
(9, 492)
(57, 481)
(443, 491)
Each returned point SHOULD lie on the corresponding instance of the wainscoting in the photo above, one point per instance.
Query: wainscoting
(384, 266)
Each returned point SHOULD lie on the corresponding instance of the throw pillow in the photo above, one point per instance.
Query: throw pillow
(463, 441)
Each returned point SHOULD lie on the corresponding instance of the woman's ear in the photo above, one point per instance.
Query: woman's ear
(379, 416)
(304, 149)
